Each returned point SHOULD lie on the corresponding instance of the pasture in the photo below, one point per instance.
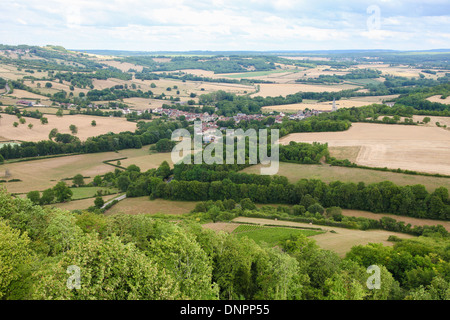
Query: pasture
(417, 148)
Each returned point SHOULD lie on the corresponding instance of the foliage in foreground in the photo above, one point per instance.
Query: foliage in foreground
(142, 257)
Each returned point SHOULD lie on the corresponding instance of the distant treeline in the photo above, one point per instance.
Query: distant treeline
(354, 74)
(218, 64)
(216, 182)
(146, 74)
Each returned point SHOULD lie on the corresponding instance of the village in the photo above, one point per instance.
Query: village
(210, 122)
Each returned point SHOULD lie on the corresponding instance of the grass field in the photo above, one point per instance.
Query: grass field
(90, 192)
(326, 173)
(339, 241)
(416, 148)
(144, 205)
(79, 204)
(270, 235)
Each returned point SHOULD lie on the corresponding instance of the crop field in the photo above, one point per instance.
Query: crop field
(295, 172)
(270, 235)
(123, 66)
(144, 205)
(277, 89)
(83, 122)
(339, 241)
(327, 105)
(253, 74)
(90, 192)
(22, 94)
(417, 148)
(148, 161)
(439, 100)
(54, 169)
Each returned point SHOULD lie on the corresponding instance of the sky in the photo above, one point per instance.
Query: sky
(227, 25)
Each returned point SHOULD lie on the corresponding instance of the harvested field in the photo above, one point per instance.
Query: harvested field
(417, 148)
(349, 153)
(143, 103)
(83, 122)
(148, 161)
(123, 66)
(327, 105)
(340, 242)
(438, 99)
(295, 172)
(410, 220)
(45, 173)
(442, 121)
(22, 94)
(275, 89)
(144, 205)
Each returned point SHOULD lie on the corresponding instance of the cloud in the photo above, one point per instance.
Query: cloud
(224, 24)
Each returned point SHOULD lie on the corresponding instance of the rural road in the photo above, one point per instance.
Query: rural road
(7, 90)
(118, 199)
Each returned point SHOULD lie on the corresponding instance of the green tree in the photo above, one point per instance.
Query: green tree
(97, 180)
(22, 120)
(62, 192)
(44, 120)
(48, 196)
(15, 256)
(2, 160)
(78, 180)
(73, 128)
(99, 202)
(48, 85)
(53, 133)
(30, 126)
(110, 270)
(59, 113)
(34, 196)
(123, 181)
(187, 263)
(15, 124)
(426, 120)
(93, 123)
(165, 145)
(163, 170)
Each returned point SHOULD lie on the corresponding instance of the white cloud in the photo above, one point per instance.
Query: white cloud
(222, 24)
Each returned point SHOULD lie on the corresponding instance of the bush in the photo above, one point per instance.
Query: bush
(316, 208)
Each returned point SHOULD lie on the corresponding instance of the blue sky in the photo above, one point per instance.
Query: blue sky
(181, 25)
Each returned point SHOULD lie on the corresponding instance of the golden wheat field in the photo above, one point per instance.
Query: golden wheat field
(417, 148)
(82, 122)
